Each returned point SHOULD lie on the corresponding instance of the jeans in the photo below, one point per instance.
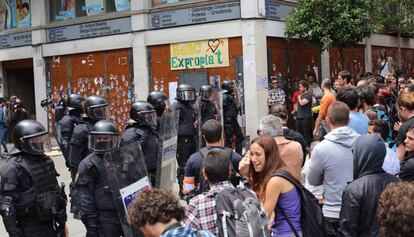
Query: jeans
(332, 226)
(304, 127)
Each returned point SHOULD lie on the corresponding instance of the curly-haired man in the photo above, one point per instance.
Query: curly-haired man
(157, 212)
(396, 210)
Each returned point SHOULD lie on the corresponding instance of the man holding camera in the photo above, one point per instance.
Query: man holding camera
(18, 113)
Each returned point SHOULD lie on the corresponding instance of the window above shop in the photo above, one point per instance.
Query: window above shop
(69, 9)
(14, 14)
(156, 3)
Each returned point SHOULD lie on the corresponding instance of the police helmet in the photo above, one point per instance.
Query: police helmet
(158, 100)
(104, 137)
(75, 102)
(96, 107)
(31, 137)
(227, 85)
(186, 92)
(143, 113)
(205, 92)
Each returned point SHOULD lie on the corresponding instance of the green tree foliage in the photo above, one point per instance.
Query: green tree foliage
(397, 17)
(333, 23)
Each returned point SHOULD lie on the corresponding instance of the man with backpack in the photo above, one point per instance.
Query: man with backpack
(225, 210)
(212, 132)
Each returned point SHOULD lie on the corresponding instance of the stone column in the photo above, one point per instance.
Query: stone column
(254, 63)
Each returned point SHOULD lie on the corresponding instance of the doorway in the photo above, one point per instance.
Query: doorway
(19, 81)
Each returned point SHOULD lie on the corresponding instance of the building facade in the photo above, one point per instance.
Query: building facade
(123, 49)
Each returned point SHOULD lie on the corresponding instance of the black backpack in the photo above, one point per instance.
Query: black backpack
(312, 219)
(239, 214)
(202, 185)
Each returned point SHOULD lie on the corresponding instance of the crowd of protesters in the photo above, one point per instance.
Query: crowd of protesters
(351, 146)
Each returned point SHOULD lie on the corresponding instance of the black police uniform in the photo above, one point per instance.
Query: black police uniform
(149, 140)
(67, 125)
(186, 140)
(207, 110)
(97, 207)
(231, 126)
(31, 201)
(79, 143)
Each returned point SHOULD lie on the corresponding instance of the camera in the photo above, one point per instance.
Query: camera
(46, 102)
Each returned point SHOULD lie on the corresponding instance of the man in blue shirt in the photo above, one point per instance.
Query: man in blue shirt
(213, 135)
(357, 121)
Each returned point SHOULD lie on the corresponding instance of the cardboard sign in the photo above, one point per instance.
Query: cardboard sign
(200, 54)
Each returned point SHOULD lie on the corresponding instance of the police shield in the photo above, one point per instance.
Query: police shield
(127, 176)
(167, 163)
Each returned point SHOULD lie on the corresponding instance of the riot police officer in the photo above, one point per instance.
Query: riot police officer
(230, 111)
(158, 101)
(207, 108)
(97, 207)
(68, 123)
(31, 201)
(186, 140)
(144, 130)
(95, 108)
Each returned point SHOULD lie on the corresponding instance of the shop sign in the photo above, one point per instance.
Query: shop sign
(15, 40)
(195, 15)
(200, 54)
(276, 11)
(89, 30)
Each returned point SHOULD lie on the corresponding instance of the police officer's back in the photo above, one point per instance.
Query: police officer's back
(142, 128)
(230, 111)
(97, 207)
(68, 123)
(207, 108)
(31, 201)
(95, 108)
(186, 141)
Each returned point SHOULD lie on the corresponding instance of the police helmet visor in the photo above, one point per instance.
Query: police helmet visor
(99, 113)
(103, 143)
(37, 145)
(186, 95)
(149, 117)
(205, 94)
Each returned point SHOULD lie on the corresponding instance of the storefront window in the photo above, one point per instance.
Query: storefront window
(14, 14)
(69, 9)
(160, 2)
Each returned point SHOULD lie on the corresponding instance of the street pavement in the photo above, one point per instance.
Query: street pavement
(76, 228)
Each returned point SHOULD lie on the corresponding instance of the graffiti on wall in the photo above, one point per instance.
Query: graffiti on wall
(106, 74)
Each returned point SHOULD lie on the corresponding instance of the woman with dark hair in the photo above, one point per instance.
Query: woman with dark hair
(276, 193)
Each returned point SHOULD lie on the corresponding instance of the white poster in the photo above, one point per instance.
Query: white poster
(129, 193)
(172, 91)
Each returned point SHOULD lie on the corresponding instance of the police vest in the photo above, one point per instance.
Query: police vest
(229, 106)
(42, 199)
(187, 119)
(148, 140)
(208, 111)
(102, 193)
